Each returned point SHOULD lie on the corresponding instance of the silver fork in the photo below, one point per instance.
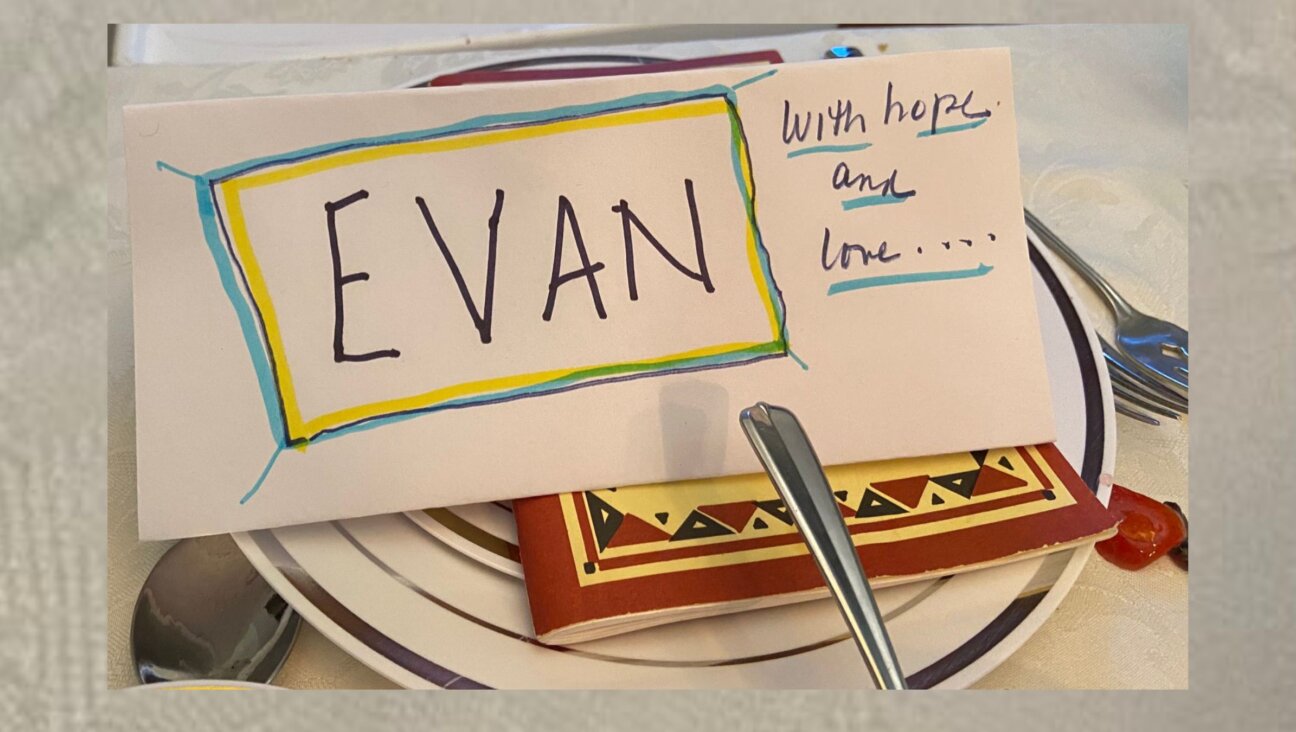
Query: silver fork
(1157, 348)
(1136, 413)
(1124, 374)
(1132, 405)
(1136, 395)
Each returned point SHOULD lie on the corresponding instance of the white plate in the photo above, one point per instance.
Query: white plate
(437, 600)
(204, 685)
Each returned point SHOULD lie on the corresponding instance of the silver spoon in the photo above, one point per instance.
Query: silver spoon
(205, 613)
(790, 460)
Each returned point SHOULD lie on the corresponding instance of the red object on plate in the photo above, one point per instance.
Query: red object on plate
(1148, 529)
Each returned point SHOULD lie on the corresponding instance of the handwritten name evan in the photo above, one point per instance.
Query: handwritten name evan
(571, 263)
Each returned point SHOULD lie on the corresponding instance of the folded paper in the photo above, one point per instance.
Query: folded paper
(360, 303)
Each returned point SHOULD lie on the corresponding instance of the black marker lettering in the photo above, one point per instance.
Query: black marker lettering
(628, 217)
(962, 107)
(339, 280)
(866, 255)
(843, 256)
(955, 106)
(936, 108)
(846, 250)
(587, 270)
(881, 254)
(899, 108)
(481, 319)
(888, 186)
(851, 117)
(942, 105)
(796, 133)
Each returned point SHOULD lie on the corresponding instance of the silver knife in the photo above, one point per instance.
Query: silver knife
(790, 460)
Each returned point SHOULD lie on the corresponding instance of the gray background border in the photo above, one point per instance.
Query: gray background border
(53, 400)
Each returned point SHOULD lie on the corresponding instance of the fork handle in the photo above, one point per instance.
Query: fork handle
(1118, 304)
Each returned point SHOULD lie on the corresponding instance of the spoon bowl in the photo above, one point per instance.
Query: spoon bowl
(205, 613)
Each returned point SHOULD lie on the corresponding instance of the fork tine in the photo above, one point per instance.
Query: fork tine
(1135, 414)
(1176, 399)
(1118, 359)
(1142, 403)
(1169, 376)
(1168, 373)
(1118, 378)
(1117, 366)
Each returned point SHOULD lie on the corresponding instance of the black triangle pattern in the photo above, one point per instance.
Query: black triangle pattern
(874, 504)
(606, 519)
(960, 483)
(776, 509)
(698, 525)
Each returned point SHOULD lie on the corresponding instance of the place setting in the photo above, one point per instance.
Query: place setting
(620, 370)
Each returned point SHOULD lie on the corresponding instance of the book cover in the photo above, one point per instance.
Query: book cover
(618, 559)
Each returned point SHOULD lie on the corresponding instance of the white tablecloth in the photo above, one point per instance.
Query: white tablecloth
(1103, 128)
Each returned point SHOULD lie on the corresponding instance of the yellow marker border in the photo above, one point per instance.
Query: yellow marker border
(300, 430)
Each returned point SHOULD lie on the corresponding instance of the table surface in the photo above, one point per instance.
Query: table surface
(1103, 135)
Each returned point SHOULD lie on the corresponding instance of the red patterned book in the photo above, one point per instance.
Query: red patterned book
(609, 561)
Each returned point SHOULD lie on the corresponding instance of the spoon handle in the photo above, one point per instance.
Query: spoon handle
(792, 465)
(1119, 304)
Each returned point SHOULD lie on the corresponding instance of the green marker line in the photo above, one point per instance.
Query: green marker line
(953, 128)
(828, 148)
(903, 279)
(881, 200)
